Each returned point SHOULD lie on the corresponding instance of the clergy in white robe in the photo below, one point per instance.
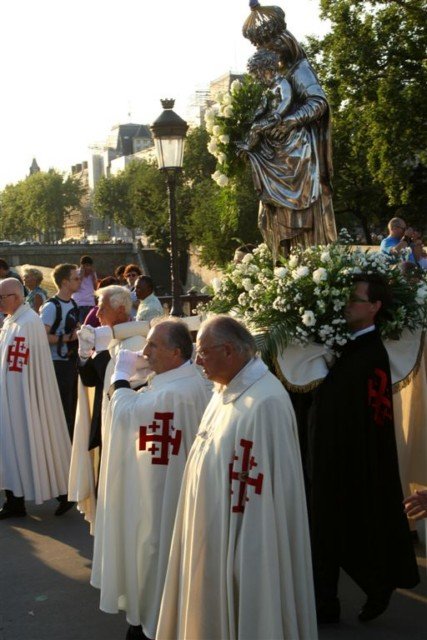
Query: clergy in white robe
(240, 562)
(98, 350)
(151, 434)
(34, 442)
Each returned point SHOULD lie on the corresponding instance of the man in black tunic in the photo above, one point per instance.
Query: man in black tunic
(357, 517)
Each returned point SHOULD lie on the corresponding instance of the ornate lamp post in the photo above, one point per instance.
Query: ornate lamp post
(169, 131)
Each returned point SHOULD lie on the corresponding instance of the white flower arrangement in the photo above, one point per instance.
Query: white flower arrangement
(228, 122)
(302, 299)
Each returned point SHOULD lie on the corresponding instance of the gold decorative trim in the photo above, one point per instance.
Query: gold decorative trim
(310, 386)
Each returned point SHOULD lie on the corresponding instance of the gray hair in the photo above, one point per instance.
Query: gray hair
(36, 273)
(178, 336)
(227, 329)
(117, 296)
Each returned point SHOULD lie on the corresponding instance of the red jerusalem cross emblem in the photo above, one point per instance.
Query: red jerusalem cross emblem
(160, 441)
(377, 398)
(248, 463)
(17, 354)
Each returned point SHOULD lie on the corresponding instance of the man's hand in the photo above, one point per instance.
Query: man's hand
(103, 337)
(86, 338)
(416, 505)
(125, 366)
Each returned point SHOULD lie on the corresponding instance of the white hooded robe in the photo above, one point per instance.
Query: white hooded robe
(240, 561)
(35, 446)
(151, 435)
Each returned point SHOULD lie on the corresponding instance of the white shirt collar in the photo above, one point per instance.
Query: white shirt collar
(245, 378)
(362, 332)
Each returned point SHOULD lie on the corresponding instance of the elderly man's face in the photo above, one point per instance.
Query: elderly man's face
(10, 300)
(211, 357)
(107, 315)
(160, 356)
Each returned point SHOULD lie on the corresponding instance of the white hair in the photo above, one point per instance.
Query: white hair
(117, 296)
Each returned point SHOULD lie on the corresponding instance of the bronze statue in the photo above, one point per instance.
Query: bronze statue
(289, 144)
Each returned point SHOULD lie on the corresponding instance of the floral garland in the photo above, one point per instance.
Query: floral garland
(303, 298)
(228, 122)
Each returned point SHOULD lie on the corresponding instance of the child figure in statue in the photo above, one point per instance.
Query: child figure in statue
(276, 100)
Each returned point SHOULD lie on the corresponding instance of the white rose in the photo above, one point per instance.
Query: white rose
(221, 157)
(212, 146)
(325, 256)
(227, 112)
(300, 272)
(209, 126)
(222, 180)
(216, 284)
(242, 299)
(280, 272)
(219, 96)
(293, 261)
(216, 175)
(235, 86)
(308, 318)
(226, 98)
(320, 275)
(248, 257)
(216, 130)
(209, 115)
(247, 284)
(225, 139)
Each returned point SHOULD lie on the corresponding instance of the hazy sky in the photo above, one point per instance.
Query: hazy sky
(71, 70)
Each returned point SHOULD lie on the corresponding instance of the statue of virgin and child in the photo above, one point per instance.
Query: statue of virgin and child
(289, 142)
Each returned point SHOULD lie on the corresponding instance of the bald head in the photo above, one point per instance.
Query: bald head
(11, 295)
(224, 347)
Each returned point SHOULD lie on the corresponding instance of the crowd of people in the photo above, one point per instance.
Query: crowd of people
(208, 521)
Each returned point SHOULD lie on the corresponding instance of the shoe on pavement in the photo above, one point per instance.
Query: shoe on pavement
(64, 506)
(374, 606)
(8, 512)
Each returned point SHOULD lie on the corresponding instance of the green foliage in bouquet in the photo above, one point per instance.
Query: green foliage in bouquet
(302, 298)
(228, 122)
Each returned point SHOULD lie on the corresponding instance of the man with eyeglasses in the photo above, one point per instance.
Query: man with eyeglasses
(395, 241)
(240, 564)
(34, 441)
(151, 434)
(357, 516)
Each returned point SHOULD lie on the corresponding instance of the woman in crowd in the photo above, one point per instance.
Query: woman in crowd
(32, 280)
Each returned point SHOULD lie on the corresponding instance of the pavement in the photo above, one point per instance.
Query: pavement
(45, 592)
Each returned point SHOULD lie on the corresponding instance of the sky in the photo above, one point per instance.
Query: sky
(72, 70)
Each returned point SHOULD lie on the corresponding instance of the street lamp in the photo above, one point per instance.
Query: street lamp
(169, 131)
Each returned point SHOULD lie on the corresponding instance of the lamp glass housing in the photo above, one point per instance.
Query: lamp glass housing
(170, 151)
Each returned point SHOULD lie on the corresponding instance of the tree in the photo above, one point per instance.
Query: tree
(135, 198)
(40, 202)
(371, 66)
(216, 219)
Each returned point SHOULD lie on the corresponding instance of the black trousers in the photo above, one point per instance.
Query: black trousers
(66, 376)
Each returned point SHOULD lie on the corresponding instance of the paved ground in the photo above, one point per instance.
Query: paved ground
(45, 592)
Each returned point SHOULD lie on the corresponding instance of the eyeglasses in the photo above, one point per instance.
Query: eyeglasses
(357, 299)
(7, 295)
(202, 353)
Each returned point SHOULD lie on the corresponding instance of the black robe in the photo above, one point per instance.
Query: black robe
(357, 517)
(92, 374)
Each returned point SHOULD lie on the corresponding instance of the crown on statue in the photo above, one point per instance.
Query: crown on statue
(168, 103)
(264, 23)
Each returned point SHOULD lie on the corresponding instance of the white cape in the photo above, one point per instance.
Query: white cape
(240, 561)
(151, 434)
(34, 442)
(84, 463)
